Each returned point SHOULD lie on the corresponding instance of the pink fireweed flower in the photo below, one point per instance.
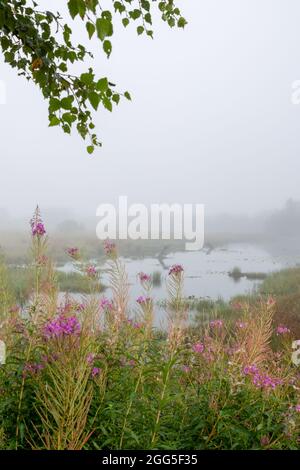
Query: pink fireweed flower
(61, 326)
(176, 269)
(106, 304)
(240, 324)
(282, 330)
(95, 371)
(264, 381)
(216, 323)
(198, 348)
(38, 229)
(297, 408)
(261, 380)
(186, 369)
(37, 226)
(144, 277)
(109, 247)
(142, 300)
(91, 272)
(74, 253)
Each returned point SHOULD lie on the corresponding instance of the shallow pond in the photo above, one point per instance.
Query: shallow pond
(206, 273)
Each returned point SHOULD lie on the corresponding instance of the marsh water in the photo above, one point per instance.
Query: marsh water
(206, 272)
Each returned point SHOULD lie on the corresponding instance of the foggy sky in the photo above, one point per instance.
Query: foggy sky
(211, 119)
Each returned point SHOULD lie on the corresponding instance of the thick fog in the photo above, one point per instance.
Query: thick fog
(211, 120)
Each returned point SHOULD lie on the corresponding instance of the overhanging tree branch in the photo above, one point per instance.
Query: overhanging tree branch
(39, 46)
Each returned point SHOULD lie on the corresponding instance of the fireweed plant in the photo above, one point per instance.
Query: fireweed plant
(97, 374)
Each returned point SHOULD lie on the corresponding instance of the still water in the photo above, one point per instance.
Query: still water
(206, 273)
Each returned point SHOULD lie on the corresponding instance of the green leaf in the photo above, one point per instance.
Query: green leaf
(107, 15)
(66, 34)
(54, 121)
(148, 18)
(116, 98)
(140, 30)
(66, 103)
(127, 95)
(102, 84)
(63, 67)
(119, 7)
(69, 118)
(73, 8)
(104, 28)
(145, 5)
(94, 99)
(107, 47)
(125, 22)
(87, 78)
(54, 105)
(90, 149)
(107, 104)
(81, 8)
(135, 14)
(66, 128)
(9, 56)
(90, 29)
(5, 43)
(181, 22)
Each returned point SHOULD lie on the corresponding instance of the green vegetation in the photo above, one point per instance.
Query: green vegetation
(90, 376)
(237, 274)
(283, 286)
(20, 283)
(283, 282)
(74, 282)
